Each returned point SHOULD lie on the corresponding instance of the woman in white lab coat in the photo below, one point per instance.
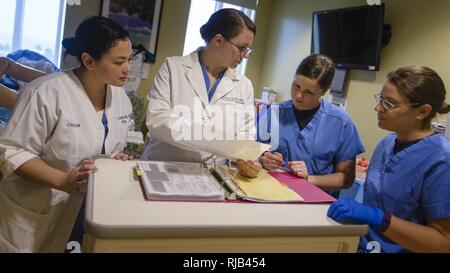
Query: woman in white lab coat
(199, 82)
(61, 121)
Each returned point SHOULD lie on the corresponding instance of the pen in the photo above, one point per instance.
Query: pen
(221, 181)
(286, 169)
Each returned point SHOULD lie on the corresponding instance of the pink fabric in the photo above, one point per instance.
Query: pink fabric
(309, 192)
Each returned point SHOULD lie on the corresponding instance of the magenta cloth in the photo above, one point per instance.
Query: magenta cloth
(309, 192)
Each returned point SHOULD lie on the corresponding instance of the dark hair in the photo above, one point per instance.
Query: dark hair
(421, 85)
(95, 36)
(227, 22)
(320, 67)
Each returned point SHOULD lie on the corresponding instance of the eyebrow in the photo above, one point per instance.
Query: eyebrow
(122, 58)
(390, 99)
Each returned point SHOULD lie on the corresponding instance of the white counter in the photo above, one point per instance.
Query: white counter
(118, 218)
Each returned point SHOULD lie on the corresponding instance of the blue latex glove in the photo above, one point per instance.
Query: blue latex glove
(350, 210)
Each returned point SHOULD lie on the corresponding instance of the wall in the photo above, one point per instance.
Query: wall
(421, 35)
(255, 64)
(75, 14)
(172, 32)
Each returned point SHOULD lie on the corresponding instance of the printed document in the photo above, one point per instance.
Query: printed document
(179, 181)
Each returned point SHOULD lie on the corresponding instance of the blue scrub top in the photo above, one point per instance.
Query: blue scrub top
(413, 184)
(328, 139)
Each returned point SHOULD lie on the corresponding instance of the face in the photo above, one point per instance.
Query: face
(401, 117)
(305, 93)
(114, 65)
(236, 47)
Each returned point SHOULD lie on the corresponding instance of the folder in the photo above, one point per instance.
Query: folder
(183, 181)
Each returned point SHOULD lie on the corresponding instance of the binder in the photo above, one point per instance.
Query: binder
(223, 184)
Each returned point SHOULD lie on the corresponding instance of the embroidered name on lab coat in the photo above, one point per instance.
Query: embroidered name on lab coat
(124, 117)
(73, 125)
(235, 100)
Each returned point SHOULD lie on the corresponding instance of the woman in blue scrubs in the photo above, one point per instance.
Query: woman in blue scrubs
(310, 136)
(407, 189)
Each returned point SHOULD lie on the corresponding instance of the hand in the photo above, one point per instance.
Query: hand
(271, 161)
(350, 210)
(4, 65)
(76, 178)
(299, 169)
(123, 157)
(248, 168)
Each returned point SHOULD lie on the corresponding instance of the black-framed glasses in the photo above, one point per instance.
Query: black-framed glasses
(242, 49)
(390, 105)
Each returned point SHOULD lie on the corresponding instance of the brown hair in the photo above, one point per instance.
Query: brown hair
(227, 22)
(421, 85)
(320, 67)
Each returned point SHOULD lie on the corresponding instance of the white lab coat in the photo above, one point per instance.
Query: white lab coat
(54, 120)
(180, 82)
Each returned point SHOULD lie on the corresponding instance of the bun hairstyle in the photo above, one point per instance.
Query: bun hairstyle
(95, 36)
(421, 85)
(227, 22)
(318, 67)
(445, 109)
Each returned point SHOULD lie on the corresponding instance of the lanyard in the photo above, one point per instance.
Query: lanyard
(105, 125)
(208, 82)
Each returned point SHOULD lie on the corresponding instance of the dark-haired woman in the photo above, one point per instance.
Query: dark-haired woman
(201, 85)
(407, 189)
(60, 121)
(314, 138)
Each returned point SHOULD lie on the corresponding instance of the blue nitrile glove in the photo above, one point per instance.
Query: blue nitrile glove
(350, 210)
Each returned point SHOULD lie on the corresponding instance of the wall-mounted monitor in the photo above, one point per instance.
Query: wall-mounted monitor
(352, 37)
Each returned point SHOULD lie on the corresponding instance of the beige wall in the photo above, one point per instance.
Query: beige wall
(171, 37)
(171, 33)
(74, 15)
(421, 35)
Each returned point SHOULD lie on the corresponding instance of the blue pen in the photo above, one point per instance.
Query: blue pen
(285, 168)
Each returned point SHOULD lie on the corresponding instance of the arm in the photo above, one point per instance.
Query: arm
(38, 171)
(342, 178)
(7, 97)
(435, 237)
(18, 71)
(159, 110)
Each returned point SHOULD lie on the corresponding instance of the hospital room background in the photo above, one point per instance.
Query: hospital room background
(420, 35)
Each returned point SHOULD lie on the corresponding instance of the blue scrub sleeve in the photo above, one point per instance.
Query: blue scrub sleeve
(436, 193)
(350, 144)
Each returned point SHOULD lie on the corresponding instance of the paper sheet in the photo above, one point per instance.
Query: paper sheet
(179, 181)
(264, 187)
(230, 149)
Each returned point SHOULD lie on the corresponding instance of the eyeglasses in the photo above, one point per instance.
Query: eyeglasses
(389, 105)
(242, 49)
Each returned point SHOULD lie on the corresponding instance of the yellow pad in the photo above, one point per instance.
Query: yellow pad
(264, 187)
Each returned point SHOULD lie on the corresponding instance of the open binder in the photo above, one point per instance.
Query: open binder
(183, 181)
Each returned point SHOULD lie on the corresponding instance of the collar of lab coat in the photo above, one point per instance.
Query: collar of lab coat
(194, 75)
(89, 106)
